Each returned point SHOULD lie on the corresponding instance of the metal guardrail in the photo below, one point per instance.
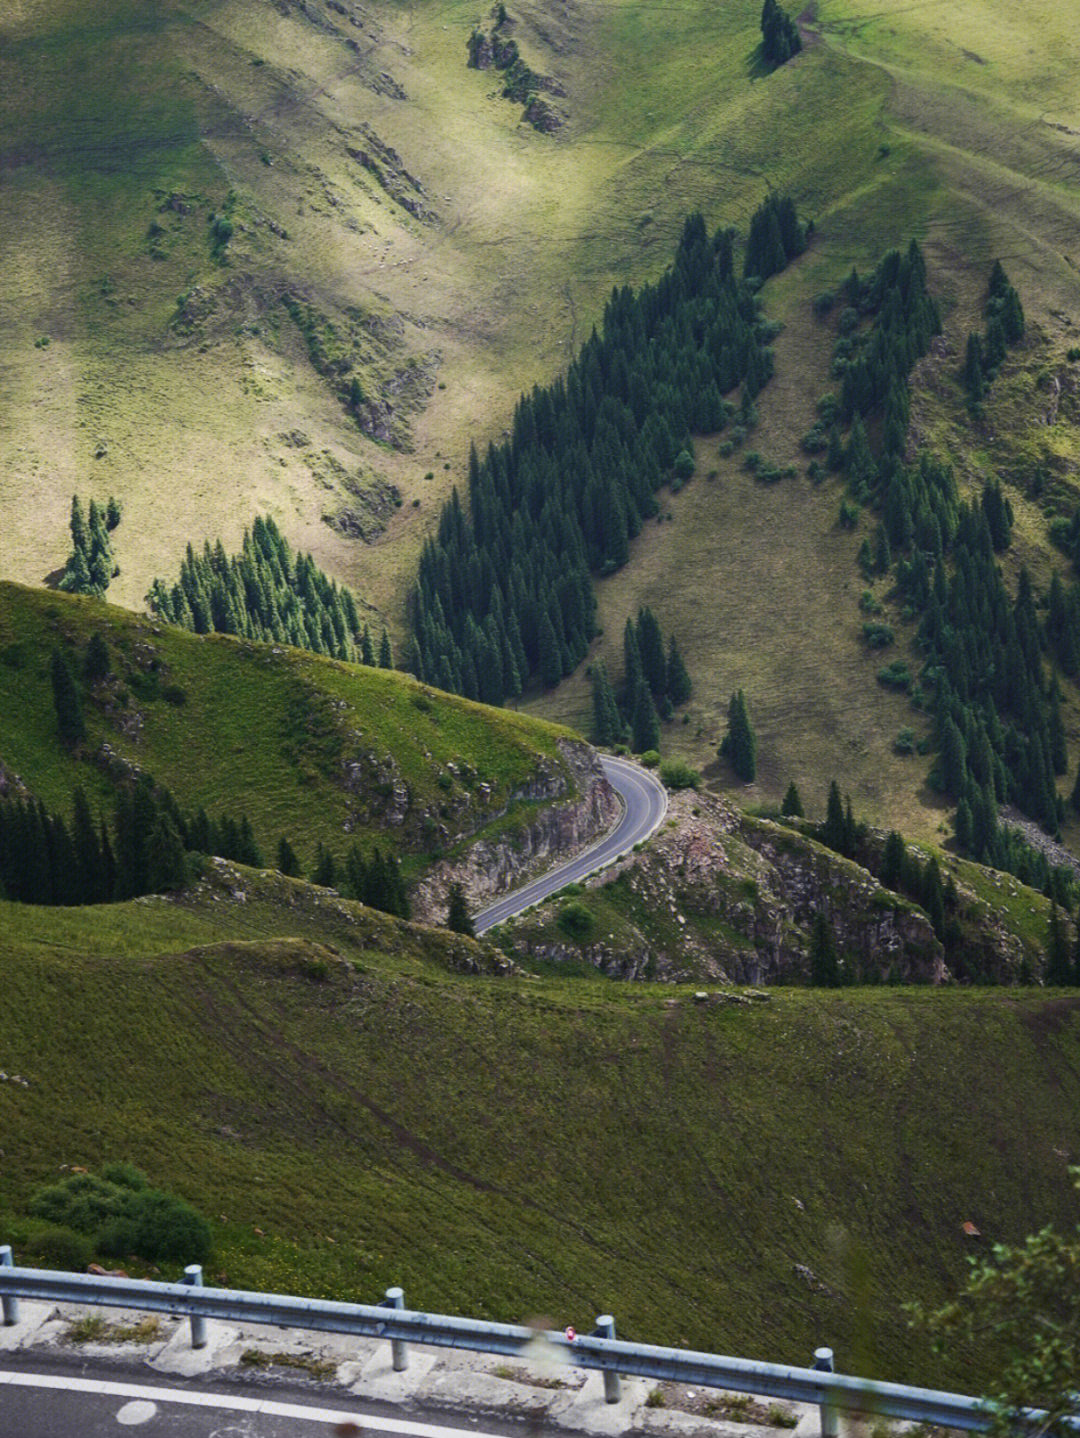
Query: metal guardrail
(831, 1392)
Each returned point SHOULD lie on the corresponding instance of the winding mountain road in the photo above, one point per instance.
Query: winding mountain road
(644, 801)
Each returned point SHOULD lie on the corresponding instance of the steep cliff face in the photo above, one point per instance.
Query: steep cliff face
(719, 895)
(574, 804)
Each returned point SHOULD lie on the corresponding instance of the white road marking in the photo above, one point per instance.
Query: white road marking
(137, 1394)
(141, 1410)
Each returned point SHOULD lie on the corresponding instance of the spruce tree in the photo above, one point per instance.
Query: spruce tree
(833, 830)
(739, 745)
(1059, 966)
(607, 728)
(96, 663)
(645, 722)
(66, 701)
(287, 862)
(651, 648)
(679, 687)
(892, 861)
(386, 654)
(824, 964)
(325, 871)
(458, 919)
(791, 805)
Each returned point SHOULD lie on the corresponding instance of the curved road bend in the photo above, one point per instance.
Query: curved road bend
(644, 801)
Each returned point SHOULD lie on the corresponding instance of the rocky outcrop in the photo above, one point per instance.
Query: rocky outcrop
(723, 896)
(574, 804)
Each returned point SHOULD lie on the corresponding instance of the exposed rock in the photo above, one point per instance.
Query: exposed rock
(11, 785)
(581, 805)
(541, 116)
(722, 896)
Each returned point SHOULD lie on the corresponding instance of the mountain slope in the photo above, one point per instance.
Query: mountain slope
(751, 1177)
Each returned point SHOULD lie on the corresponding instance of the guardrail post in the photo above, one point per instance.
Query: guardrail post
(399, 1353)
(10, 1303)
(830, 1418)
(605, 1328)
(193, 1275)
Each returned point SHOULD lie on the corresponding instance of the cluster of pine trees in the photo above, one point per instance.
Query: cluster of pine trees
(43, 860)
(1004, 327)
(376, 881)
(267, 593)
(739, 744)
(90, 566)
(779, 34)
(504, 593)
(997, 717)
(655, 682)
(776, 237)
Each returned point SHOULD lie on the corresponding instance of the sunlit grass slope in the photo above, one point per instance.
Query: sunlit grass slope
(305, 746)
(521, 1146)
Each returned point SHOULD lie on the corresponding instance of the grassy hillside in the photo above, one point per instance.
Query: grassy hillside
(174, 376)
(349, 1114)
(306, 746)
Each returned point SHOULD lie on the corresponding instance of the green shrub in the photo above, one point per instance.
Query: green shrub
(157, 1227)
(677, 774)
(60, 1248)
(576, 922)
(650, 758)
(895, 676)
(905, 742)
(121, 1215)
(878, 636)
(684, 465)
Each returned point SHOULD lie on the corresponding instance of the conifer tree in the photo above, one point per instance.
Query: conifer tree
(607, 728)
(892, 861)
(645, 722)
(287, 862)
(96, 663)
(325, 871)
(458, 919)
(833, 830)
(66, 701)
(824, 964)
(1059, 964)
(791, 805)
(650, 643)
(739, 745)
(386, 654)
(679, 686)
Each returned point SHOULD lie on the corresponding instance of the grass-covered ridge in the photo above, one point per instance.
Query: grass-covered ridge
(512, 1146)
(302, 744)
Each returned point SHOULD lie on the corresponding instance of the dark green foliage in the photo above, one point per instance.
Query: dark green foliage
(776, 237)
(576, 922)
(791, 806)
(1059, 959)
(386, 654)
(892, 861)
(96, 663)
(677, 774)
(824, 963)
(122, 1215)
(458, 919)
(679, 687)
(780, 38)
(999, 516)
(58, 1248)
(376, 881)
(644, 721)
(287, 862)
(325, 871)
(1004, 326)
(739, 745)
(608, 726)
(66, 701)
(504, 589)
(90, 565)
(266, 593)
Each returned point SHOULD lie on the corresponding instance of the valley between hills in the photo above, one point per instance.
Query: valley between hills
(450, 396)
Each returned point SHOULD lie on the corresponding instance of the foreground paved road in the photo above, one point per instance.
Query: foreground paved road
(644, 806)
(65, 1402)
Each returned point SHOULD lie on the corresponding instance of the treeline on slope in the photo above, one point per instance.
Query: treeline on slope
(504, 592)
(780, 38)
(145, 850)
(997, 717)
(266, 592)
(655, 682)
(897, 868)
(90, 566)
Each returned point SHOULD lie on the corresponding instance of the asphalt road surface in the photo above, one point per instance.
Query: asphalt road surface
(65, 1402)
(644, 806)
